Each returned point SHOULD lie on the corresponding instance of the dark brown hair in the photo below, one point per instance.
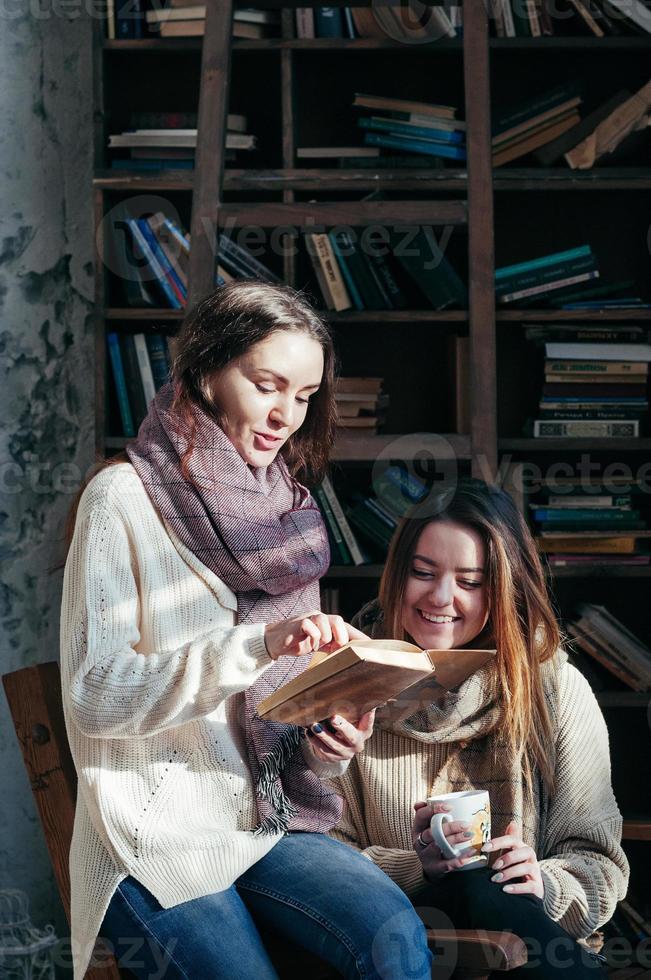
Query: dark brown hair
(521, 621)
(224, 326)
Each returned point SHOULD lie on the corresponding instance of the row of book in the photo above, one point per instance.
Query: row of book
(594, 390)
(547, 127)
(550, 128)
(564, 280)
(354, 275)
(151, 257)
(140, 366)
(589, 522)
(412, 126)
(599, 634)
(396, 21)
(548, 18)
(171, 146)
(136, 19)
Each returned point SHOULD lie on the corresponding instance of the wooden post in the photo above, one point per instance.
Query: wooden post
(481, 242)
(211, 145)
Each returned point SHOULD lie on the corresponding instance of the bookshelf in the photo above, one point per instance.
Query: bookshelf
(496, 217)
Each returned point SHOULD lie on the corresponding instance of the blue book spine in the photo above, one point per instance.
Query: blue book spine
(548, 274)
(430, 148)
(327, 22)
(554, 259)
(397, 128)
(157, 350)
(351, 285)
(166, 265)
(120, 385)
(154, 264)
(575, 515)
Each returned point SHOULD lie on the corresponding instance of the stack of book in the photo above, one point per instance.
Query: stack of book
(414, 127)
(353, 272)
(594, 390)
(152, 256)
(598, 633)
(140, 365)
(186, 18)
(591, 522)
(531, 124)
(536, 18)
(172, 146)
(344, 547)
(390, 20)
(360, 404)
(554, 276)
(376, 518)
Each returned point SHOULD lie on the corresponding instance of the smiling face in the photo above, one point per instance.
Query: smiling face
(445, 603)
(263, 396)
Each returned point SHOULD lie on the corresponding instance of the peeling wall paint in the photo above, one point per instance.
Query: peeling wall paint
(46, 360)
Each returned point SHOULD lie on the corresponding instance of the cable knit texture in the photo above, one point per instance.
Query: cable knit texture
(576, 833)
(153, 674)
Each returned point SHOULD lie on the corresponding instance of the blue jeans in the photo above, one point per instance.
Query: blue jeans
(308, 890)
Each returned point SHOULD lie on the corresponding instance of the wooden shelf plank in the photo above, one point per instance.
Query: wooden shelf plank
(601, 571)
(637, 830)
(357, 213)
(571, 445)
(572, 316)
(622, 699)
(145, 313)
(539, 44)
(426, 180)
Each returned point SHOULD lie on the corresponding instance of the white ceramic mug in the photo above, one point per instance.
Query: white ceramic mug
(472, 807)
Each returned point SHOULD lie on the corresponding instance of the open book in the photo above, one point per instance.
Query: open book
(364, 674)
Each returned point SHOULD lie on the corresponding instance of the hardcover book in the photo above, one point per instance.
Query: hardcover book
(365, 674)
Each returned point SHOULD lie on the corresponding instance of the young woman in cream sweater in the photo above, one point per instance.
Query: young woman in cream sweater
(462, 571)
(190, 593)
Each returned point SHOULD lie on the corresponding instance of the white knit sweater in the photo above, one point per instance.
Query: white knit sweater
(153, 667)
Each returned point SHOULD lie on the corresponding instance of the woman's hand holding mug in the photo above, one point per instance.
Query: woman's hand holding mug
(308, 633)
(457, 832)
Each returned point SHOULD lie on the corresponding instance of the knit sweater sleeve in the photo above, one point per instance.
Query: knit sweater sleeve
(111, 690)
(584, 869)
(399, 864)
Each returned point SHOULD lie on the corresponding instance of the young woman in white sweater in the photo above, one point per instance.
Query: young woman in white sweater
(190, 593)
(463, 571)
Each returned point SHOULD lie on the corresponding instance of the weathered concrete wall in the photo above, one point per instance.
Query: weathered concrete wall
(46, 353)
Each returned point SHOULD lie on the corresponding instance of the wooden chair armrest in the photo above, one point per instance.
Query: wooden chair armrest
(477, 952)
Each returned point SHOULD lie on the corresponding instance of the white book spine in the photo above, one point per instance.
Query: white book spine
(144, 365)
(507, 14)
(585, 429)
(344, 526)
(304, 23)
(549, 287)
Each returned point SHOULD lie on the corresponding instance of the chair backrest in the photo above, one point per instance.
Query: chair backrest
(34, 696)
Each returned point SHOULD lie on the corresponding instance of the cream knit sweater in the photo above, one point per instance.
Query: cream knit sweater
(585, 871)
(152, 668)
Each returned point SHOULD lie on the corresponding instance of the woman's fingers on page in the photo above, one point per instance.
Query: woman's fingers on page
(354, 633)
(366, 722)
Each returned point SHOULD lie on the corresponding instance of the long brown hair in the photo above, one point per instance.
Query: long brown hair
(224, 326)
(521, 621)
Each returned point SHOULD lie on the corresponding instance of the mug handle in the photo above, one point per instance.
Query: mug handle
(440, 839)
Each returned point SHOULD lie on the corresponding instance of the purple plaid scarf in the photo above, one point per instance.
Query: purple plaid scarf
(260, 532)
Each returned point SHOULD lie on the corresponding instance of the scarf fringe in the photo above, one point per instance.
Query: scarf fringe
(269, 787)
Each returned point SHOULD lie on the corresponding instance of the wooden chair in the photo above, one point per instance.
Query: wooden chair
(34, 697)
